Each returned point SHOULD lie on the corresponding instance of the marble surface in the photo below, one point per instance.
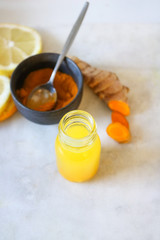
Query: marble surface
(122, 202)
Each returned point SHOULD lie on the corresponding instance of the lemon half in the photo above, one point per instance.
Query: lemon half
(4, 92)
(17, 42)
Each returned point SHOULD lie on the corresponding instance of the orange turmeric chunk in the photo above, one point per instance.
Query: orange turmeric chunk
(118, 117)
(119, 106)
(118, 132)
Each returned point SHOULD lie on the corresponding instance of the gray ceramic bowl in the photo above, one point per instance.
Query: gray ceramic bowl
(39, 61)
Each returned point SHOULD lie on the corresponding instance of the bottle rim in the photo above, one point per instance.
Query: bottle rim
(81, 117)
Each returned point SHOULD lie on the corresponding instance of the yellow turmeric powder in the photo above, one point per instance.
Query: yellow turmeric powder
(64, 84)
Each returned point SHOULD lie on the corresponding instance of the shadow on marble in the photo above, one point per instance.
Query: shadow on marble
(140, 96)
(140, 100)
(124, 161)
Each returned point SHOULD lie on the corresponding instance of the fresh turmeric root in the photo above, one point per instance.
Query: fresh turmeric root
(118, 132)
(105, 84)
(118, 117)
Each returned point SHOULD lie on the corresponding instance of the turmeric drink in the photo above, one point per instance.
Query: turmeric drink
(77, 146)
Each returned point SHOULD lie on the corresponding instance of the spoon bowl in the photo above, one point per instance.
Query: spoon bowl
(42, 97)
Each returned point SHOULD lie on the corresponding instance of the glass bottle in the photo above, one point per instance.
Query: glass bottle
(77, 146)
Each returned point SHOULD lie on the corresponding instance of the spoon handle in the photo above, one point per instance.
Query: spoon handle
(69, 41)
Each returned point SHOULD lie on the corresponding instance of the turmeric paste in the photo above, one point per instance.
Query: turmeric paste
(64, 84)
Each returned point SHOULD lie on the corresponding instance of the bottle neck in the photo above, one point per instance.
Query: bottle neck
(77, 129)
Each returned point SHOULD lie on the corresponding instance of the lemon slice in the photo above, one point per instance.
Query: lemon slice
(4, 92)
(9, 110)
(17, 42)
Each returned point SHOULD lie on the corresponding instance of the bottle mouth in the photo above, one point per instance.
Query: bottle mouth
(77, 118)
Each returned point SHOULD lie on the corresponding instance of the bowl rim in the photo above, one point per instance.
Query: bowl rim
(36, 56)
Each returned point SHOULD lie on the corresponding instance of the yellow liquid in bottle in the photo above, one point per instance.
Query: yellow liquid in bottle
(78, 163)
(77, 131)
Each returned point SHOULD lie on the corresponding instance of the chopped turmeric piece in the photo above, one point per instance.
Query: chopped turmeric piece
(118, 132)
(118, 117)
(119, 106)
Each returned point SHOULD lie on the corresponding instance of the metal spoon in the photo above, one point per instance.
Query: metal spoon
(45, 96)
